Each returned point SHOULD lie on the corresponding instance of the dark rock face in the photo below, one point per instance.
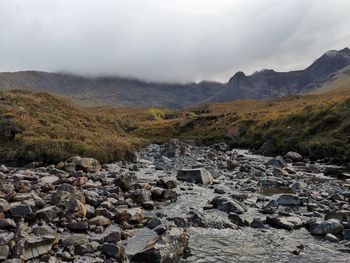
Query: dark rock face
(271, 84)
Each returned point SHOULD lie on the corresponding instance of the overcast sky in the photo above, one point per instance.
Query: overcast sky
(169, 40)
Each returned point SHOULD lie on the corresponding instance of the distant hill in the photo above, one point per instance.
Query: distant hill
(116, 91)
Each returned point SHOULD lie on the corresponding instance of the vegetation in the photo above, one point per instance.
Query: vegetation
(41, 127)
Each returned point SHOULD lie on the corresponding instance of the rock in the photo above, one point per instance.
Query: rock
(277, 162)
(269, 147)
(4, 206)
(257, 223)
(197, 176)
(4, 253)
(231, 164)
(221, 146)
(270, 207)
(346, 234)
(341, 215)
(288, 223)
(332, 238)
(169, 247)
(126, 181)
(288, 199)
(130, 215)
(293, 156)
(173, 148)
(90, 247)
(237, 220)
(226, 205)
(100, 221)
(322, 228)
(48, 213)
(7, 223)
(75, 240)
(36, 246)
(79, 226)
(50, 179)
(21, 210)
(132, 157)
(116, 251)
(88, 165)
(4, 169)
(112, 234)
(139, 196)
(154, 222)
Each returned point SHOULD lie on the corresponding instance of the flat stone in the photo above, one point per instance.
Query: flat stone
(197, 176)
(288, 199)
(100, 221)
(288, 223)
(332, 226)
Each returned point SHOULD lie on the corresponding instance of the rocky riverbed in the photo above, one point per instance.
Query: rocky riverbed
(176, 202)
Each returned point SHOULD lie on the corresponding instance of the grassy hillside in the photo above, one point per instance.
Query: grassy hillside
(41, 127)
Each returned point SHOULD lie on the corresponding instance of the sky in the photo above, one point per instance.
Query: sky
(169, 40)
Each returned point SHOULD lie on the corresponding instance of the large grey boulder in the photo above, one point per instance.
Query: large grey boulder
(293, 156)
(276, 162)
(169, 248)
(288, 223)
(322, 228)
(228, 205)
(197, 176)
(288, 199)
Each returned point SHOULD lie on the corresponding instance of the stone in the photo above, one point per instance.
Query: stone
(21, 210)
(139, 196)
(288, 223)
(221, 146)
(48, 213)
(100, 221)
(341, 215)
(36, 246)
(257, 223)
(88, 165)
(112, 234)
(132, 157)
(238, 220)
(332, 238)
(4, 206)
(130, 215)
(276, 162)
(4, 253)
(228, 205)
(168, 195)
(50, 179)
(126, 181)
(154, 222)
(322, 228)
(293, 156)
(116, 251)
(169, 247)
(7, 223)
(75, 240)
(197, 176)
(269, 147)
(346, 234)
(79, 226)
(173, 148)
(288, 200)
(231, 164)
(4, 169)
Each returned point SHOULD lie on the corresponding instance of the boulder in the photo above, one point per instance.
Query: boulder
(132, 157)
(238, 220)
(322, 228)
(288, 223)
(228, 205)
(134, 215)
(169, 247)
(173, 148)
(100, 221)
(21, 210)
(88, 165)
(140, 195)
(197, 176)
(116, 251)
(126, 181)
(293, 156)
(36, 246)
(4, 253)
(288, 199)
(276, 162)
(269, 147)
(4, 206)
(7, 223)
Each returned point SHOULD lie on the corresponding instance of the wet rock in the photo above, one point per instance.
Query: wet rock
(346, 234)
(88, 165)
(116, 251)
(173, 148)
(257, 223)
(169, 247)
(4, 206)
(132, 157)
(4, 253)
(322, 228)
(277, 162)
(293, 156)
(288, 199)
(341, 215)
(21, 210)
(126, 181)
(7, 223)
(288, 223)
(226, 205)
(197, 176)
(331, 238)
(238, 220)
(99, 221)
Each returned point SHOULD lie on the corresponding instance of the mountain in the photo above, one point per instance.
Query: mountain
(268, 84)
(116, 91)
(112, 91)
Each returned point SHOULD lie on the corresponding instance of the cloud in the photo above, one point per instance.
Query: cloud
(173, 40)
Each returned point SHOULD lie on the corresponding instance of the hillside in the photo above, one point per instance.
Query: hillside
(125, 92)
(40, 127)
